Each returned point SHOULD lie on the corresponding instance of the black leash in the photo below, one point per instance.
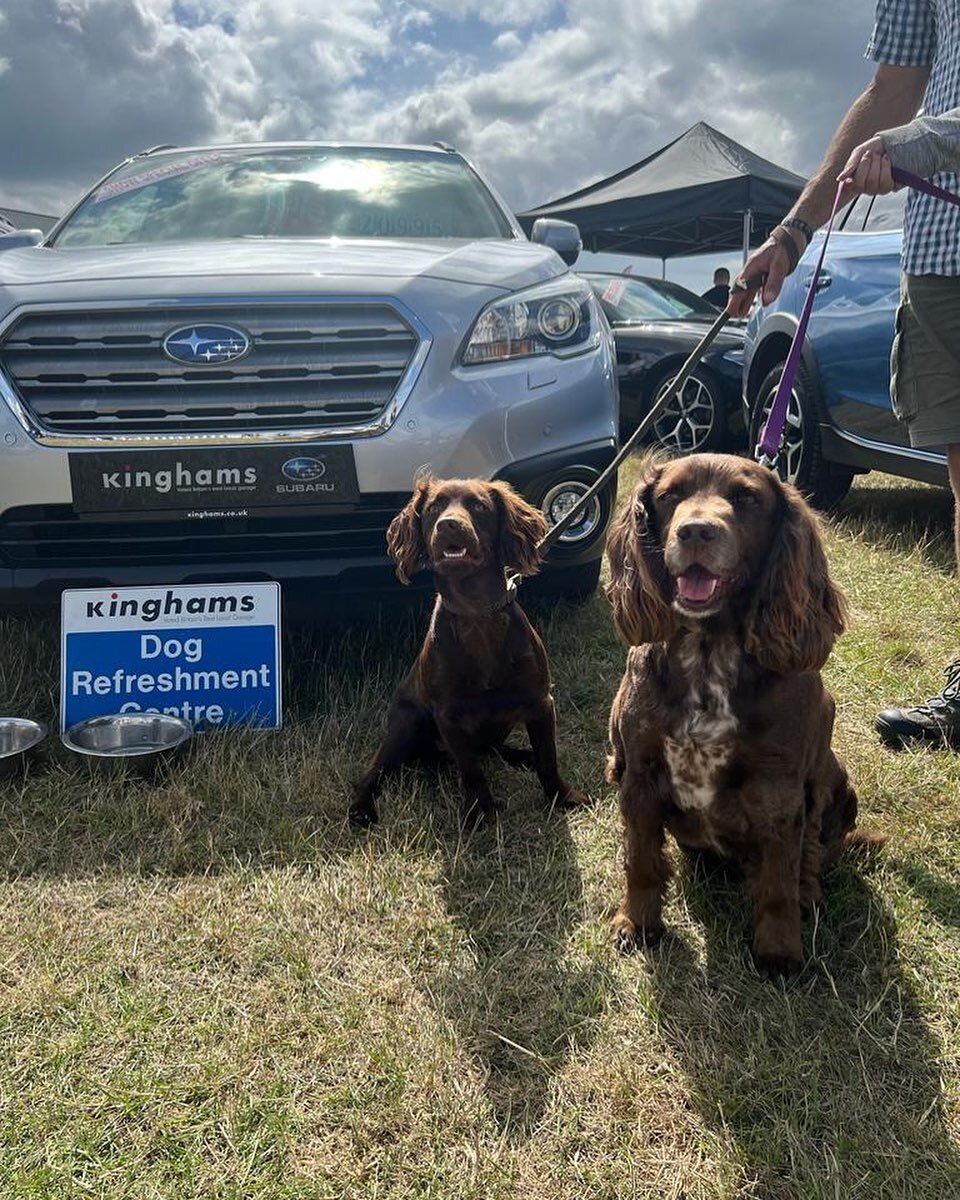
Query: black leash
(675, 386)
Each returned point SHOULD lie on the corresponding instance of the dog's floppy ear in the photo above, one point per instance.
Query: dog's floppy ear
(521, 527)
(404, 536)
(797, 611)
(639, 586)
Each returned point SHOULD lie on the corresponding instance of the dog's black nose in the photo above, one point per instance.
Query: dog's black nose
(451, 524)
(697, 531)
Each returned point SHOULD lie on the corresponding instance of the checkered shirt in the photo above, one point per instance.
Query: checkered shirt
(917, 33)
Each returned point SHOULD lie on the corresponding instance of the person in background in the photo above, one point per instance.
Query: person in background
(916, 46)
(720, 292)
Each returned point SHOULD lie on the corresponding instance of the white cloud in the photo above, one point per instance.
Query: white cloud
(559, 94)
(508, 42)
(515, 13)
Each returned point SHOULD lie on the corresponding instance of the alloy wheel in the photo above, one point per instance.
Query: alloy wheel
(687, 420)
(791, 443)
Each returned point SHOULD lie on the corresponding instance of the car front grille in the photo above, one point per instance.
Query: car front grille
(54, 536)
(310, 365)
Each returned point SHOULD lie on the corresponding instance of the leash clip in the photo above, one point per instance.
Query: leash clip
(764, 459)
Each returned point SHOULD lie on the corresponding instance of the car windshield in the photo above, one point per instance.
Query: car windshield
(283, 192)
(625, 300)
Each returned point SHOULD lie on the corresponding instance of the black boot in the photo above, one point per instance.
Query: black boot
(937, 721)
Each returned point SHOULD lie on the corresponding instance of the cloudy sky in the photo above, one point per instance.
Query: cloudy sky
(544, 95)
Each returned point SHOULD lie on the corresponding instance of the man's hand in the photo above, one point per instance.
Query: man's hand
(769, 265)
(892, 98)
(868, 169)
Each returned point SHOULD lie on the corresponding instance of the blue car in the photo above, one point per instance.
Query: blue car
(839, 421)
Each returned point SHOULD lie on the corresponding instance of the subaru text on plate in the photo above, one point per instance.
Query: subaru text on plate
(231, 362)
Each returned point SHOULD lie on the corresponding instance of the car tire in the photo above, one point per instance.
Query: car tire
(801, 460)
(696, 421)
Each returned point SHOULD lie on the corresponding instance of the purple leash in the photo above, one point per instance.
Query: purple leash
(768, 449)
(772, 435)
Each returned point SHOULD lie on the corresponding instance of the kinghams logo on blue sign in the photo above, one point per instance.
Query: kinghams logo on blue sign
(304, 469)
(206, 345)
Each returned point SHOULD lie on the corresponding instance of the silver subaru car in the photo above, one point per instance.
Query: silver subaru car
(232, 362)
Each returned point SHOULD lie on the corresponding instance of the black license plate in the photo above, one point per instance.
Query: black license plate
(202, 483)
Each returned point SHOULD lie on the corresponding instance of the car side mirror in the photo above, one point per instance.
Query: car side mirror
(561, 236)
(20, 238)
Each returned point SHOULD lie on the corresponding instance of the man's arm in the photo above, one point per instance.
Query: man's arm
(891, 98)
(924, 146)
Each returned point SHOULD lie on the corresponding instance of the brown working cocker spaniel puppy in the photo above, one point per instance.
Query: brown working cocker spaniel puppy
(482, 668)
(721, 727)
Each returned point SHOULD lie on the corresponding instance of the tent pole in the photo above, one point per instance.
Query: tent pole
(747, 224)
(663, 268)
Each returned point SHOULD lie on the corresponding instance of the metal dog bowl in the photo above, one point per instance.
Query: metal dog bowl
(139, 740)
(18, 737)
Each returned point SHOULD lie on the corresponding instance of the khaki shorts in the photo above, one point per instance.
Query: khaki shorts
(925, 360)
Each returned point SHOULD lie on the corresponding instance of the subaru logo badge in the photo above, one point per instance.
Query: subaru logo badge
(206, 345)
(302, 469)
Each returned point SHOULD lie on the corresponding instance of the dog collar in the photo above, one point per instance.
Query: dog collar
(508, 597)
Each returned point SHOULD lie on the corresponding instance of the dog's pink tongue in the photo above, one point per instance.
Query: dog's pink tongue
(697, 585)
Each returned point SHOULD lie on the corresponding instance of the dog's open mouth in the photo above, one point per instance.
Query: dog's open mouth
(698, 588)
(454, 554)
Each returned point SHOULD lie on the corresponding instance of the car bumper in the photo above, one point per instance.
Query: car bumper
(47, 548)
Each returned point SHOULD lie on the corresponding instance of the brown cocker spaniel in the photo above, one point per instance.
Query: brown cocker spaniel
(721, 727)
(482, 669)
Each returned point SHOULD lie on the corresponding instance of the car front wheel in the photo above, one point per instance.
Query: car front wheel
(801, 461)
(693, 421)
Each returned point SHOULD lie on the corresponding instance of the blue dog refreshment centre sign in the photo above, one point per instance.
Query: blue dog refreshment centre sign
(210, 653)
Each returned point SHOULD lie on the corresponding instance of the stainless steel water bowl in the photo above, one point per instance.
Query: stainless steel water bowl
(139, 740)
(18, 737)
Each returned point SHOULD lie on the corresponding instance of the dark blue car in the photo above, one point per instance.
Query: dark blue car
(839, 421)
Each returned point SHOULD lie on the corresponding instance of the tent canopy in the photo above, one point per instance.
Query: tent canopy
(689, 197)
(16, 218)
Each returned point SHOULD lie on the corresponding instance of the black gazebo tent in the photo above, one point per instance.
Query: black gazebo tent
(700, 193)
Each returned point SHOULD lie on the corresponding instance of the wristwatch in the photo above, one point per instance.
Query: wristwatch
(798, 223)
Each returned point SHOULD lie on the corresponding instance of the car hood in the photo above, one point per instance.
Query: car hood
(505, 264)
(691, 329)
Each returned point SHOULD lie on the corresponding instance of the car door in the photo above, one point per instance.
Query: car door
(851, 331)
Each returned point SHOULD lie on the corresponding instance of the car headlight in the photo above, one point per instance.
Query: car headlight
(559, 318)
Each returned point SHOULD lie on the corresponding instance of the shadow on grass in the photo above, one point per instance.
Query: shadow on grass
(259, 798)
(940, 895)
(267, 800)
(521, 999)
(903, 519)
(829, 1085)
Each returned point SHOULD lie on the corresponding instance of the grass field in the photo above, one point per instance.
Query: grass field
(212, 987)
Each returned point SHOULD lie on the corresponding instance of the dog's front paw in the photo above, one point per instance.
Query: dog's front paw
(362, 813)
(777, 958)
(574, 798)
(476, 812)
(628, 936)
(777, 966)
